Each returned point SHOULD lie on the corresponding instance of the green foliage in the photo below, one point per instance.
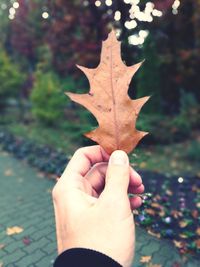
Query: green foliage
(47, 98)
(11, 79)
(149, 77)
(193, 152)
(189, 109)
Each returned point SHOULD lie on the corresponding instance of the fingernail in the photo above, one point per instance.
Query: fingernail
(119, 157)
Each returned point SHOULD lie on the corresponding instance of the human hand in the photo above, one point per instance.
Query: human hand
(92, 207)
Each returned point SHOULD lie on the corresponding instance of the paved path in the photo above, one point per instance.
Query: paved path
(25, 201)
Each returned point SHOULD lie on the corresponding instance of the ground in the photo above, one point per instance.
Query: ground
(25, 201)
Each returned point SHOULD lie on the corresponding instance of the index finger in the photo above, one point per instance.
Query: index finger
(84, 158)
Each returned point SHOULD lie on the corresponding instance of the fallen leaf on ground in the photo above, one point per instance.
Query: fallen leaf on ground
(158, 235)
(176, 214)
(142, 165)
(8, 172)
(195, 188)
(169, 192)
(156, 205)
(198, 231)
(183, 224)
(179, 244)
(195, 214)
(2, 246)
(183, 236)
(109, 102)
(162, 213)
(145, 259)
(197, 242)
(150, 211)
(14, 230)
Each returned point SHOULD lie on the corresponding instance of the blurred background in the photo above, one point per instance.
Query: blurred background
(41, 43)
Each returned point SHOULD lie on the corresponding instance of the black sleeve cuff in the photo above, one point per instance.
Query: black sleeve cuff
(78, 257)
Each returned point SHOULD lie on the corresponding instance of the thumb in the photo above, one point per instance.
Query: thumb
(117, 175)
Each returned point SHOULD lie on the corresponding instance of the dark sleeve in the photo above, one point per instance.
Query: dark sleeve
(79, 257)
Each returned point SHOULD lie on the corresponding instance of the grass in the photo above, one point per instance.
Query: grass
(168, 159)
(171, 159)
(56, 138)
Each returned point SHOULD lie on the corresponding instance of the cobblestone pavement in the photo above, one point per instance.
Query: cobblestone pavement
(25, 201)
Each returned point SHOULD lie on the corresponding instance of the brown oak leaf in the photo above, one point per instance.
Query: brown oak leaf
(109, 102)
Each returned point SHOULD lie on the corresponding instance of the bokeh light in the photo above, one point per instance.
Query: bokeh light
(16, 5)
(45, 15)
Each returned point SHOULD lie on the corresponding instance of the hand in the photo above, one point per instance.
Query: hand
(92, 207)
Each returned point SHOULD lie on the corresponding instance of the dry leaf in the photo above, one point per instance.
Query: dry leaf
(195, 188)
(198, 204)
(156, 205)
(157, 197)
(176, 214)
(183, 236)
(179, 244)
(143, 165)
(195, 214)
(183, 224)
(197, 242)
(145, 259)
(109, 102)
(150, 211)
(198, 231)
(162, 213)
(169, 192)
(14, 230)
(8, 172)
(158, 235)
(2, 246)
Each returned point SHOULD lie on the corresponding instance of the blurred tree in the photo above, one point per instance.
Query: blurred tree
(77, 28)
(26, 37)
(48, 100)
(177, 41)
(163, 5)
(30, 26)
(5, 26)
(11, 79)
(149, 76)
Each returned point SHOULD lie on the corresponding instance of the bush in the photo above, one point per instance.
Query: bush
(193, 152)
(11, 79)
(189, 109)
(48, 100)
